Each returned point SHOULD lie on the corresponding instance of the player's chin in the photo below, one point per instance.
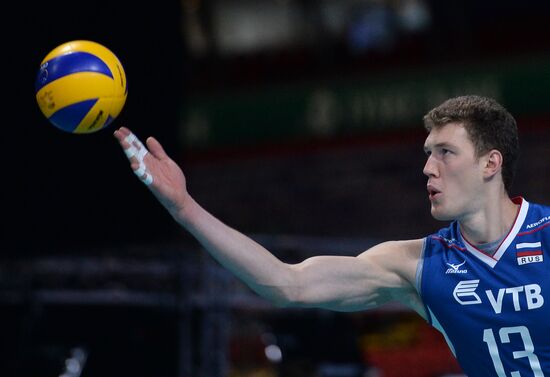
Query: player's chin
(440, 214)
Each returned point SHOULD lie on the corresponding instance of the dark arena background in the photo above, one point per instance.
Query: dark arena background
(297, 122)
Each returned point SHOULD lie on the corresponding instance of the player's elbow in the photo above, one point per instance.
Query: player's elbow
(294, 292)
(285, 292)
(285, 297)
(277, 295)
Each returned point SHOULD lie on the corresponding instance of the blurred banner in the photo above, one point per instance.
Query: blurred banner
(390, 102)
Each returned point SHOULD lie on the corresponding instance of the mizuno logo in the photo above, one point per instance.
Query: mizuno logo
(455, 268)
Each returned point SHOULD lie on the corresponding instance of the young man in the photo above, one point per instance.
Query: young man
(482, 281)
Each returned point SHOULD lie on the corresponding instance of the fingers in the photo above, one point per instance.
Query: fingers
(156, 148)
(135, 147)
(121, 133)
(135, 151)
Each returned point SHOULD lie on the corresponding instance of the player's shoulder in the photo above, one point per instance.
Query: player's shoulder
(444, 240)
(448, 234)
(412, 249)
(538, 208)
(537, 217)
(397, 251)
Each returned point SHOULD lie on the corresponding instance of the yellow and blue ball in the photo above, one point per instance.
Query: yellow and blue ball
(81, 86)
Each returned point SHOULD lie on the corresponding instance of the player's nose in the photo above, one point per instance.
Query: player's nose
(430, 168)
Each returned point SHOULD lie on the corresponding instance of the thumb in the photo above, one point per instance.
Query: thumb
(155, 148)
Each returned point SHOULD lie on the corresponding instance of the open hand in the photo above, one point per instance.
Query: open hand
(155, 169)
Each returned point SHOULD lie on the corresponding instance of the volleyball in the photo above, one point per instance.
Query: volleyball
(81, 87)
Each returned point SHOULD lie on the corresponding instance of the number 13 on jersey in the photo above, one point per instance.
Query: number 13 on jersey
(504, 337)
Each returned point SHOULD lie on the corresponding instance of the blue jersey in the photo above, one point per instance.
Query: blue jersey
(494, 310)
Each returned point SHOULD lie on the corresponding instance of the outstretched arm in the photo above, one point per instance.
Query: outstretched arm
(332, 282)
(258, 268)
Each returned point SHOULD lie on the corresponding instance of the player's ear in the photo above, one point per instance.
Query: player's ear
(493, 163)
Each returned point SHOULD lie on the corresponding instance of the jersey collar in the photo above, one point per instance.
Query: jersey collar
(518, 222)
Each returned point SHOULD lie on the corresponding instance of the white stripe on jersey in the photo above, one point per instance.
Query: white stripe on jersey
(526, 245)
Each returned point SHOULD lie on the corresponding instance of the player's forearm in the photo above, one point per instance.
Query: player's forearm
(249, 261)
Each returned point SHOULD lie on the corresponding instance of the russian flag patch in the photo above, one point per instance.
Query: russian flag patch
(529, 252)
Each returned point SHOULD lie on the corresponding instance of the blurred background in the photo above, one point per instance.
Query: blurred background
(297, 122)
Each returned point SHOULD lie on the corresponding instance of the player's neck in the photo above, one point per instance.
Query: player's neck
(491, 222)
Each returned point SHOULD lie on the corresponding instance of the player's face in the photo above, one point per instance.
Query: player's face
(455, 174)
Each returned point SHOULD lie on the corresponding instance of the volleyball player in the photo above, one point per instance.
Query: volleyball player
(483, 281)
